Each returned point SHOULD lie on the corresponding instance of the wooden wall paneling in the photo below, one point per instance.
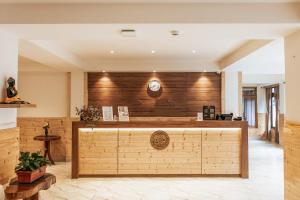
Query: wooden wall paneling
(291, 143)
(137, 156)
(221, 151)
(32, 126)
(98, 152)
(182, 94)
(9, 148)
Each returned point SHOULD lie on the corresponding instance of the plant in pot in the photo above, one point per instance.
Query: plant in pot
(31, 167)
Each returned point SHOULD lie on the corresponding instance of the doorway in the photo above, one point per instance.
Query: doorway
(250, 106)
(272, 101)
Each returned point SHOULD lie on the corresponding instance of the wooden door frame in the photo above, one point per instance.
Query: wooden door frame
(277, 89)
(256, 106)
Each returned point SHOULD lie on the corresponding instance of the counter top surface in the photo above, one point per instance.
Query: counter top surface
(163, 124)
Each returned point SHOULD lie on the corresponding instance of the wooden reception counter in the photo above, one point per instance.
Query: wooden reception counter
(160, 148)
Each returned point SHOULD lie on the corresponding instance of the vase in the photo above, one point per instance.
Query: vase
(31, 176)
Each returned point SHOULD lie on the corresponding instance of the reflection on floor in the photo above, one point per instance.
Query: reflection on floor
(265, 183)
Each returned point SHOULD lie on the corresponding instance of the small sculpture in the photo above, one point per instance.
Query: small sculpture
(11, 89)
(46, 127)
(12, 93)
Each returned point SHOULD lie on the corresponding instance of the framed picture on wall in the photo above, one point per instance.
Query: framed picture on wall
(107, 112)
(123, 113)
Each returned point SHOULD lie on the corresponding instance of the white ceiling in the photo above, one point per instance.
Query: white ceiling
(93, 43)
(267, 60)
(148, 1)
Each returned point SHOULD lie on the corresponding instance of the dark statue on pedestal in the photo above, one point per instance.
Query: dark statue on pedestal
(12, 93)
(46, 127)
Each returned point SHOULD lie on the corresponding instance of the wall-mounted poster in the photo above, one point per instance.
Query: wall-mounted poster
(107, 112)
(123, 113)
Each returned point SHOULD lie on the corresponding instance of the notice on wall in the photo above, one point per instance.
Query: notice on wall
(123, 113)
(107, 112)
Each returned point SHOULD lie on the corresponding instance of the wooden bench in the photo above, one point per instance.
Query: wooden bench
(30, 191)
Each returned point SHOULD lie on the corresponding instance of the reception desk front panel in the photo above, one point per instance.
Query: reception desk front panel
(181, 151)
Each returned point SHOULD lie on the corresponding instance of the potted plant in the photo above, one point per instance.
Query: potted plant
(31, 167)
(89, 113)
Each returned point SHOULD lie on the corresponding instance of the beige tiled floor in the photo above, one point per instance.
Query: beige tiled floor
(265, 183)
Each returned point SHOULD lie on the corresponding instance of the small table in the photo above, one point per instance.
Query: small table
(28, 191)
(47, 140)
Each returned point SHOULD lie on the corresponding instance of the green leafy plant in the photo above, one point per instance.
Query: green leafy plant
(31, 161)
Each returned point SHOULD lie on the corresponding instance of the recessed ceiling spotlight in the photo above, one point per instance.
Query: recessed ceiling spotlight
(174, 32)
(112, 52)
(152, 51)
(194, 51)
(154, 71)
(103, 71)
(204, 70)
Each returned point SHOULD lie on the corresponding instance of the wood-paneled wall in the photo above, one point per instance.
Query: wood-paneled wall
(181, 94)
(291, 143)
(9, 153)
(32, 126)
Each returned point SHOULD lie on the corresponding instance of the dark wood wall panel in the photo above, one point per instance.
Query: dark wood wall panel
(182, 94)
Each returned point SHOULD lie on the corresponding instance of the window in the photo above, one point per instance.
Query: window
(249, 103)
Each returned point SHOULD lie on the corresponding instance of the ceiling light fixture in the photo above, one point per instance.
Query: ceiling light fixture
(152, 51)
(174, 32)
(154, 71)
(103, 71)
(112, 52)
(194, 51)
(128, 32)
(204, 70)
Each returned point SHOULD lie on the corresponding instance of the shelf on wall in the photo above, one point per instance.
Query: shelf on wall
(6, 105)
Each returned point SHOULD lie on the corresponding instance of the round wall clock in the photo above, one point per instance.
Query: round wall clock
(154, 85)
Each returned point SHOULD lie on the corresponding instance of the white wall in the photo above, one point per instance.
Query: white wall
(282, 100)
(292, 76)
(46, 89)
(261, 100)
(77, 91)
(233, 92)
(8, 67)
(263, 78)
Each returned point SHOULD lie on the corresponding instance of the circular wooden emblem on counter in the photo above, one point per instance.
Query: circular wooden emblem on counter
(159, 140)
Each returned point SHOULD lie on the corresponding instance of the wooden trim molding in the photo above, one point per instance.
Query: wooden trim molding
(162, 124)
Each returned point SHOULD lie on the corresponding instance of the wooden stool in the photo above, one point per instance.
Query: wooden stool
(47, 140)
(28, 191)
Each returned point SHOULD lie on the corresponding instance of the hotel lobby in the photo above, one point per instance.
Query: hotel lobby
(149, 99)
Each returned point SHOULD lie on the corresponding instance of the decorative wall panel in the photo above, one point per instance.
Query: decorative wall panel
(181, 94)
